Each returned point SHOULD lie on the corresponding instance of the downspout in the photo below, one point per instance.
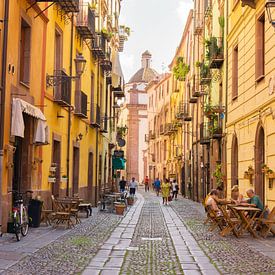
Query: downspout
(3, 97)
(69, 109)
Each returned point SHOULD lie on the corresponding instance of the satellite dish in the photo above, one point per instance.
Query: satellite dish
(121, 142)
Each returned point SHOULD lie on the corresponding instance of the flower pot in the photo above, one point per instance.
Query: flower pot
(120, 208)
(130, 200)
(52, 180)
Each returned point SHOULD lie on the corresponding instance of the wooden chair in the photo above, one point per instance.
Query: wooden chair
(216, 220)
(46, 215)
(231, 222)
(266, 224)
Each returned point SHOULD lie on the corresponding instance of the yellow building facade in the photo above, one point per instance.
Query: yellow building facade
(63, 79)
(250, 109)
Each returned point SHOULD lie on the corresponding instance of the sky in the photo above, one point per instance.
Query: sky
(157, 26)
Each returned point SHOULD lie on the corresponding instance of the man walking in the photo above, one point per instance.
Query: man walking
(157, 186)
(133, 186)
(146, 184)
(122, 185)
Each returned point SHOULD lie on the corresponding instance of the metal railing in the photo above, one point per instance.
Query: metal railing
(62, 91)
(85, 21)
(81, 104)
(95, 117)
(205, 133)
(66, 5)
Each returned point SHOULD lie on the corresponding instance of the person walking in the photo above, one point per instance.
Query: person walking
(133, 184)
(165, 190)
(122, 184)
(175, 189)
(157, 186)
(146, 184)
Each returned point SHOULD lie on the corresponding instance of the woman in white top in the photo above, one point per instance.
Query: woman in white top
(175, 189)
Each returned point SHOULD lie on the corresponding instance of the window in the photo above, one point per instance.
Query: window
(58, 51)
(260, 49)
(235, 73)
(25, 52)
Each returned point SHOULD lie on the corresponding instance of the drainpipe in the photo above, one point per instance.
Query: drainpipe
(69, 109)
(3, 97)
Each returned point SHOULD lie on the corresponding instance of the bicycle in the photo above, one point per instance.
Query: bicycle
(20, 215)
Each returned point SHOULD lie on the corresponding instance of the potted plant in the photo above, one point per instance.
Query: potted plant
(120, 207)
(218, 175)
(264, 168)
(64, 178)
(51, 179)
(122, 131)
(130, 200)
(181, 69)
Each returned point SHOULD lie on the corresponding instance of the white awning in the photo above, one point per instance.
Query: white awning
(19, 107)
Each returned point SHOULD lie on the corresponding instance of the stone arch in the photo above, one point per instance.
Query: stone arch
(259, 161)
(234, 161)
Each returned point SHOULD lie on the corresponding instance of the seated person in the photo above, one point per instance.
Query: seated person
(236, 197)
(212, 201)
(254, 200)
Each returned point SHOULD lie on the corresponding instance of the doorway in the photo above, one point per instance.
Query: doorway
(259, 161)
(75, 170)
(56, 159)
(22, 158)
(90, 176)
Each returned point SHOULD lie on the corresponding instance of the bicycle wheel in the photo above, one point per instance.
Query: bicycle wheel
(25, 222)
(16, 226)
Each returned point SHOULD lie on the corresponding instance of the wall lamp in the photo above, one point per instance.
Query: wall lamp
(60, 76)
(270, 5)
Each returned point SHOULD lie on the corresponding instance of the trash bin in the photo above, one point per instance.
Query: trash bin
(34, 211)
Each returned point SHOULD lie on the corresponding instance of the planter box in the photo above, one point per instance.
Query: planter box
(64, 179)
(51, 180)
(120, 208)
(271, 175)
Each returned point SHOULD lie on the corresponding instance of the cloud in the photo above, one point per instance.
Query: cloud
(183, 9)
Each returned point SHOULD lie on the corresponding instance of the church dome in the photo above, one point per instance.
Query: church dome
(146, 73)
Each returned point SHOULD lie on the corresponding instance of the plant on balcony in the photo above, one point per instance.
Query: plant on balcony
(106, 34)
(122, 131)
(204, 71)
(181, 69)
(198, 64)
(208, 110)
(124, 31)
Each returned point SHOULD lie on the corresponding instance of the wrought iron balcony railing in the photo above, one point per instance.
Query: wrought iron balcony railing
(66, 5)
(85, 21)
(95, 117)
(106, 63)
(216, 52)
(81, 104)
(205, 74)
(199, 23)
(99, 46)
(62, 91)
(118, 92)
(104, 123)
(204, 133)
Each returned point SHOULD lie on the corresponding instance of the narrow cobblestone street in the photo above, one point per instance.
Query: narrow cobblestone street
(150, 239)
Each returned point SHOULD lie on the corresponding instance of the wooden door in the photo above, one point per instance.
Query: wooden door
(90, 176)
(75, 170)
(56, 159)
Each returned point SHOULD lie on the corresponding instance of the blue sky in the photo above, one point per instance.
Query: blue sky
(157, 26)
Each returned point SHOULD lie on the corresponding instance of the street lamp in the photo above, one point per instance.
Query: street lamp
(270, 4)
(80, 63)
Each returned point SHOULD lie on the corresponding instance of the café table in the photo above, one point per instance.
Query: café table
(247, 215)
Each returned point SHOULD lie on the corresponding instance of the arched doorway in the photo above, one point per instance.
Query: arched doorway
(234, 162)
(259, 161)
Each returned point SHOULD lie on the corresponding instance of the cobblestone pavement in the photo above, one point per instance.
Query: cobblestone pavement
(68, 253)
(231, 255)
(151, 239)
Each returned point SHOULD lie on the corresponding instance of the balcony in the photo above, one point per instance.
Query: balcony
(186, 112)
(207, 8)
(103, 123)
(199, 22)
(193, 100)
(205, 74)
(215, 127)
(99, 46)
(105, 63)
(216, 52)
(204, 133)
(118, 92)
(66, 5)
(85, 22)
(95, 118)
(168, 129)
(80, 104)
(197, 89)
(62, 92)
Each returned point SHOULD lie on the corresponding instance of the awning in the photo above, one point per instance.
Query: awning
(117, 74)
(119, 163)
(19, 107)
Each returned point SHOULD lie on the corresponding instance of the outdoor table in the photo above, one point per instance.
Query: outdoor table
(246, 219)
